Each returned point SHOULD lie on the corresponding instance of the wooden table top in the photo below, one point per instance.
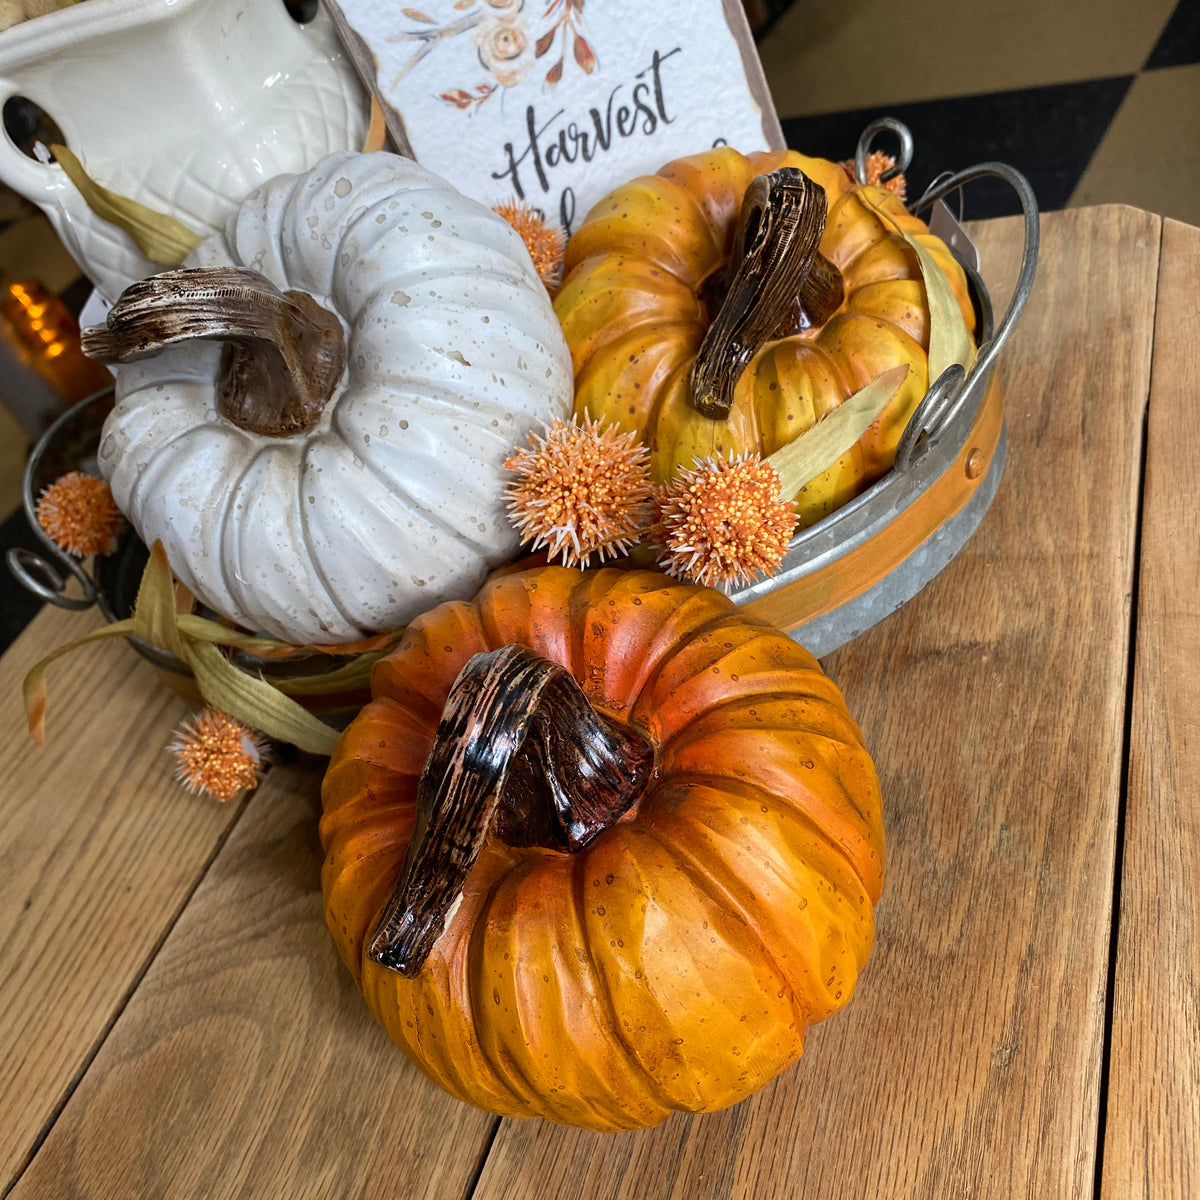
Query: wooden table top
(174, 1021)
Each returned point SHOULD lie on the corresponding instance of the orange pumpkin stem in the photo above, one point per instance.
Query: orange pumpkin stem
(776, 284)
(519, 755)
(284, 354)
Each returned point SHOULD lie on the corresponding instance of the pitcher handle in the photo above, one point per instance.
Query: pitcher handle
(43, 184)
(18, 171)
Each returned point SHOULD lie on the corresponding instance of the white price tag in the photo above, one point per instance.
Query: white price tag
(943, 224)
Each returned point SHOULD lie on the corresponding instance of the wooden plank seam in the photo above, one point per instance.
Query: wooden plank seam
(1123, 797)
(134, 983)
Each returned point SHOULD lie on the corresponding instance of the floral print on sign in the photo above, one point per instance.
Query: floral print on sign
(504, 45)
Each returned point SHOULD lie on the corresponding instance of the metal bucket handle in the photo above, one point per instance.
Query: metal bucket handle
(903, 156)
(935, 412)
(43, 579)
(43, 574)
(947, 393)
(937, 409)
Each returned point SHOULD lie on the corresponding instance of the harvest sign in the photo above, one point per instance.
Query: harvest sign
(555, 102)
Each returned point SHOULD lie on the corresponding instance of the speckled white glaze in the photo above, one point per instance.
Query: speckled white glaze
(182, 105)
(395, 501)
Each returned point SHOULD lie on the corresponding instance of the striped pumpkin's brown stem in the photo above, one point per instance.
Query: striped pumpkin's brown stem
(777, 283)
(521, 756)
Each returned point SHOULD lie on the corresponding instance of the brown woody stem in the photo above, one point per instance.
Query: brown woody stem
(778, 284)
(519, 755)
(284, 354)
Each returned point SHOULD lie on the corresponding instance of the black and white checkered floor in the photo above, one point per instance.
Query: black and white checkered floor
(1096, 101)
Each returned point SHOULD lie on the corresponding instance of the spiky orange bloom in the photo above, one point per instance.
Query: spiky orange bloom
(723, 522)
(581, 490)
(545, 243)
(217, 755)
(79, 513)
(877, 164)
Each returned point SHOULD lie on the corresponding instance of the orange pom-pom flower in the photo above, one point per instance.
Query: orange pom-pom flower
(79, 514)
(581, 490)
(217, 755)
(878, 164)
(546, 243)
(724, 522)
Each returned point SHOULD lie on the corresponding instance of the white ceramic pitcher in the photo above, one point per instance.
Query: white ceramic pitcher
(183, 105)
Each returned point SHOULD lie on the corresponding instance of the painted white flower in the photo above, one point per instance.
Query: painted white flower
(505, 49)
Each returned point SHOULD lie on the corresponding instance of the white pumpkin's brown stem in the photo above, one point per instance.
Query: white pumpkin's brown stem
(777, 283)
(520, 756)
(284, 354)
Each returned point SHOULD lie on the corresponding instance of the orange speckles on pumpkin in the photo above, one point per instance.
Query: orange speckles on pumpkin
(723, 522)
(79, 514)
(581, 490)
(679, 1002)
(216, 755)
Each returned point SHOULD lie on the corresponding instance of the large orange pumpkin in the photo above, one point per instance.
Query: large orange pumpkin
(646, 275)
(672, 961)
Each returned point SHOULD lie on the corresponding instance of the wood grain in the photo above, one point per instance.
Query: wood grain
(246, 1063)
(100, 850)
(1153, 1129)
(969, 1063)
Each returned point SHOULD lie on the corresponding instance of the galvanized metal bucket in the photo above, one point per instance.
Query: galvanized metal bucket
(840, 576)
(846, 573)
(70, 444)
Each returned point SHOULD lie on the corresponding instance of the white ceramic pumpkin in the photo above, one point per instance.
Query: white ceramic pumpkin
(384, 496)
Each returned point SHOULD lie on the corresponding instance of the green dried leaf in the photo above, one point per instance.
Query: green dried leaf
(161, 238)
(818, 448)
(201, 629)
(256, 702)
(34, 687)
(155, 619)
(355, 674)
(950, 340)
(223, 685)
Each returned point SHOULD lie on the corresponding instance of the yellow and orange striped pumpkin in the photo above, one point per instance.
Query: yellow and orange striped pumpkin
(635, 306)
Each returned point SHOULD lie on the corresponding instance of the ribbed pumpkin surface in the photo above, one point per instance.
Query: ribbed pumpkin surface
(634, 310)
(675, 962)
(394, 501)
